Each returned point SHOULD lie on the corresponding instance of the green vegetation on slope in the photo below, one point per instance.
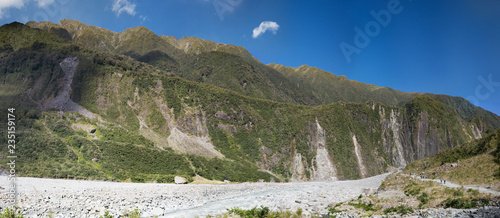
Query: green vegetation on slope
(52, 148)
(487, 121)
(138, 106)
(328, 87)
(474, 163)
(234, 68)
(226, 66)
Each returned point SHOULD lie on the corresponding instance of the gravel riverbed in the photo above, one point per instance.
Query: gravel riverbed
(75, 198)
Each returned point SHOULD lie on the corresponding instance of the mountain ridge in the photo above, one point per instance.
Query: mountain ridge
(144, 115)
(313, 88)
(187, 48)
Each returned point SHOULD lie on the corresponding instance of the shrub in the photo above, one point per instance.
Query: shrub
(473, 192)
(299, 212)
(106, 215)
(413, 191)
(423, 198)
(365, 206)
(12, 213)
(333, 210)
(254, 212)
(457, 192)
(465, 203)
(402, 209)
(132, 214)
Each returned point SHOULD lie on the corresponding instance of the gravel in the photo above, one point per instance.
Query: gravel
(76, 198)
(487, 212)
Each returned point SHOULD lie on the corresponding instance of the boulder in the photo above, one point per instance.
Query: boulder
(180, 180)
(369, 191)
(4, 172)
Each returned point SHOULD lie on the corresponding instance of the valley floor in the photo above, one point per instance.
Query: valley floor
(73, 198)
(77, 198)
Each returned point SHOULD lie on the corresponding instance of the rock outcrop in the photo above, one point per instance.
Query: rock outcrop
(180, 180)
(325, 169)
(62, 101)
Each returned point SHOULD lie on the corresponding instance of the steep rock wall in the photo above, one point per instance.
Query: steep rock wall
(359, 156)
(324, 170)
(337, 141)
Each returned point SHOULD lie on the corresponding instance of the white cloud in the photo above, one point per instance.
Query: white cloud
(143, 18)
(5, 4)
(264, 27)
(43, 3)
(120, 6)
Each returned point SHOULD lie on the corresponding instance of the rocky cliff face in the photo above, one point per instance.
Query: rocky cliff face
(359, 156)
(363, 144)
(323, 168)
(402, 138)
(369, 138)
(59, 95)
(156, 118)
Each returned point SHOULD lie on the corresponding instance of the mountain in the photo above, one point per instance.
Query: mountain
(233, 67)
(332, 88)
(95, 105)
(227, 66)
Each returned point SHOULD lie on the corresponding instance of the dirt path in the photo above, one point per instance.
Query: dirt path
(453, 185)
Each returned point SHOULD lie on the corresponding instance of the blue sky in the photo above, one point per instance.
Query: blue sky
(442, 47)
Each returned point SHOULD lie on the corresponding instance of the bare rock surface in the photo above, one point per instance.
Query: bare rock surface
(180, 180)
(76, 198)
(63, 102)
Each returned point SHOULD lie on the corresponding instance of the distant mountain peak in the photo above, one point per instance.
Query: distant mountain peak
(109, 40)
(69, 22)
(138, 29)
(193, 45)
(303, 69)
